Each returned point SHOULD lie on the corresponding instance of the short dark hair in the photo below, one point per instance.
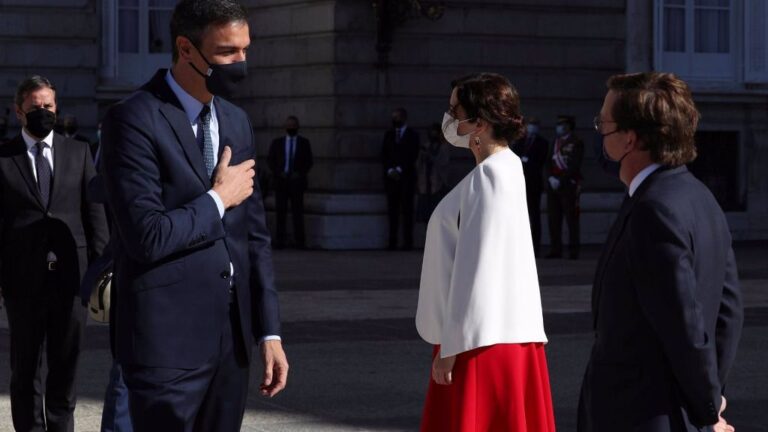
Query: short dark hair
(33, 83)
(659, 107)
(567, 119)
(293, 117)
(493, 98)
(191, 18)
(402, 111)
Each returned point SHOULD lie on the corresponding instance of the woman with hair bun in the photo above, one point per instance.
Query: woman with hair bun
(479, 301)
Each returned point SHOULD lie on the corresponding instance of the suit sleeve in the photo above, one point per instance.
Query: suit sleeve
(310, 158)
(667, 292)
(272, 158)
(730, 319)
(265, 306)
(132, 173)
(94, 218)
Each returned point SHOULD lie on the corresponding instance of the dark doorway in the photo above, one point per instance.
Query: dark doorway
(717, 166)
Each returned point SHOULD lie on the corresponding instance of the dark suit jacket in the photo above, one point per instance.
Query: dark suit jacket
(71, 227)
(402, 154)
(572, 150)
(667, 311)
(302, 159)
(535, 154)
(172, 250)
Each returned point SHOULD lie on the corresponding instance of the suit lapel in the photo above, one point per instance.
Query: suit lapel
(62, 158)
(225, 137)
(610, 244)
(176, 117)
(618, 228)
(21, 159)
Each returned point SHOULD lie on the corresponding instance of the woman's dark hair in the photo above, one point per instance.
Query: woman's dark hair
(191, 18)
(659, 107)
(493, 98)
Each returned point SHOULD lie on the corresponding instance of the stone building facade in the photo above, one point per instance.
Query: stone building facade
(318, 60)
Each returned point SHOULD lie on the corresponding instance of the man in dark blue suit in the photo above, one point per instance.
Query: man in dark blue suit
(193, 264)
(666, 299)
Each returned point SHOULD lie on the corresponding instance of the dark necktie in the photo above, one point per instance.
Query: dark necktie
(44, 175)
(206, 143)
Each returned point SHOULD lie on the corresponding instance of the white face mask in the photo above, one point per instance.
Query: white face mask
(451, 131)
(532, 129)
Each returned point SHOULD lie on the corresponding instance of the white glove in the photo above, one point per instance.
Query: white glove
(554, 183)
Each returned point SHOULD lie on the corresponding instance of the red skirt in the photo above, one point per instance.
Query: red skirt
(502, 388)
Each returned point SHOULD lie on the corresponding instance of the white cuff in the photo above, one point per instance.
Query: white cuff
(269, 338)
(219, 202)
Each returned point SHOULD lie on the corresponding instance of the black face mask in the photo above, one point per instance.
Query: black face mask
(397, 124)
(40, 122)
(222, 79)
(610, 166)
(292, 131)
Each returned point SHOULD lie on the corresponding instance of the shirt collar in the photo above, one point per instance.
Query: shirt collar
(31, 141)
(641, 176)
(192, 106)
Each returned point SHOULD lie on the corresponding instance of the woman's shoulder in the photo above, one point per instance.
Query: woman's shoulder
(503, 166)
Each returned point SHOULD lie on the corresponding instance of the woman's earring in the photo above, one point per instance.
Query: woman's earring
(477, 141)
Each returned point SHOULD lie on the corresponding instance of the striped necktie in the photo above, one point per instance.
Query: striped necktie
(206, 143)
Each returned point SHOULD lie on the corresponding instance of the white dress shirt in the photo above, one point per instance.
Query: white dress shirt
(192, 108)
(31, 143)
(641, 176)
(479, 285)
(290, 151)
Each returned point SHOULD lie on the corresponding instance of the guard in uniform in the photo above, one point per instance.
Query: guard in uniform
(564, 186)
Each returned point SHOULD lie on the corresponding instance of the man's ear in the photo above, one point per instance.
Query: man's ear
(19, 114)
(184, 47)
(633, 142)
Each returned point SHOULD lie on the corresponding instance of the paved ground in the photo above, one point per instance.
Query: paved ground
(358, 364)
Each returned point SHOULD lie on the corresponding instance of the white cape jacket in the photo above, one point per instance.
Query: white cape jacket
(479, 285)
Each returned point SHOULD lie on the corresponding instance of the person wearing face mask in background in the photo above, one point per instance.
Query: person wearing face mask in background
(564, 187)
(479, 302)
(290, 159)
(192, 253)
(399, 151)
(431, 168)
(49, 232)
(532, 149)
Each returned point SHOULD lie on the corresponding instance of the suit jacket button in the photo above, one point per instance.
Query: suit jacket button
(49, 214)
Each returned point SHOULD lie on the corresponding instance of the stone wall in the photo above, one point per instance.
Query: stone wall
(58, 39)
(318, 59)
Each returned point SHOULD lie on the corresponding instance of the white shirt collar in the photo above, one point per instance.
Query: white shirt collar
(31, 141)
(192, 106)
(641, 176)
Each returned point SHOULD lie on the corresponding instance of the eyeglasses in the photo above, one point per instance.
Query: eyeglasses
(597, 122)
